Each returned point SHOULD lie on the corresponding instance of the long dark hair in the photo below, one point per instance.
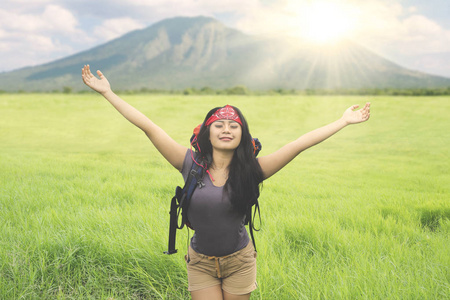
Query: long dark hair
(245, 173)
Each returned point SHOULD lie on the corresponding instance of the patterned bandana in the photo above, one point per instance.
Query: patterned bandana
(224, 113)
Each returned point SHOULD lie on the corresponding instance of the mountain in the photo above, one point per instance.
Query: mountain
(197, 52)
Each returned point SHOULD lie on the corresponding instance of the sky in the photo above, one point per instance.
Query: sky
(413, 33)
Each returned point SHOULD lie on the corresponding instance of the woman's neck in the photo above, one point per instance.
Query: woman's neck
(221, 159)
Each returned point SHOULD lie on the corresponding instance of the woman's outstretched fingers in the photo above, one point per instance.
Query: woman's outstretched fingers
(366, 113)
(99, 85)
(367, 110)
(85, 72)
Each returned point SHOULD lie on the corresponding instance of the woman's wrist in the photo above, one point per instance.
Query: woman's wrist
(106, 93)
(343, 122)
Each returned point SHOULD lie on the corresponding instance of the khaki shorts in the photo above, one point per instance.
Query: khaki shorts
(235, 272)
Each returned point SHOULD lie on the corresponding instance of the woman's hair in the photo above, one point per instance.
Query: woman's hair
(245, 173)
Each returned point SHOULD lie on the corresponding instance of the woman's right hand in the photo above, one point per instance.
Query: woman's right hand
(99, 85)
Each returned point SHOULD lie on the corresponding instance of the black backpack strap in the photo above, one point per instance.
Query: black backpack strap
(173, 223)
(194, 181)
(251, 220)
(180, 203)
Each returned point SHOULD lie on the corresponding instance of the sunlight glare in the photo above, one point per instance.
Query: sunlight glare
(327, 22)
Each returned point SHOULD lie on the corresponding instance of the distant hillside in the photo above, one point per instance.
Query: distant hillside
(198, 52)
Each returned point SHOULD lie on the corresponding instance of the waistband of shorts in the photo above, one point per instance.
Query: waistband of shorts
(249, 245)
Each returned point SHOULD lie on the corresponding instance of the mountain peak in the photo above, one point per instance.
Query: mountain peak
(185, 21)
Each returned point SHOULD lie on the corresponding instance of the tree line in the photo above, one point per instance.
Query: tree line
(243, 90)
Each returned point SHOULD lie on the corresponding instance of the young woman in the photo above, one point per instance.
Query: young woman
(221, 261)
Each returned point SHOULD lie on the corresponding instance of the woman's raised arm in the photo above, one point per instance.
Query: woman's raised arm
(274, 162)
(173, 152)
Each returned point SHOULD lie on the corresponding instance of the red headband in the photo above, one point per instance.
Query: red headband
(224, 113)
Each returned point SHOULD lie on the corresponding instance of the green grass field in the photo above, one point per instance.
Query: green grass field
(84, 199)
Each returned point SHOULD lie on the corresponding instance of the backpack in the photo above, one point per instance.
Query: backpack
(181, 200)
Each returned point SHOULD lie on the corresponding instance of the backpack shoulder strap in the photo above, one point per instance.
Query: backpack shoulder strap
(173, 223)
(180, 203)
(194, 180)
(251, 220)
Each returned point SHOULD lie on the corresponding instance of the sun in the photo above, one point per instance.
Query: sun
(325, 22)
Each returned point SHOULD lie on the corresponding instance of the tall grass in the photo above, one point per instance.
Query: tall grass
(84, 199)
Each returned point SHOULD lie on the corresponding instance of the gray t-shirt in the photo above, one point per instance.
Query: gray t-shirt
(219, 228)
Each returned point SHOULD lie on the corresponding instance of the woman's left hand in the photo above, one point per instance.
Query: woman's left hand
(352, 116)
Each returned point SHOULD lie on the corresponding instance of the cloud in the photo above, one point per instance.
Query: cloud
(391, 23)
(399, 33)
(52, 19)
(426, 34)
(151, 11)
(30, 36)
(30, 49)
(114, 28)
(192, 7)
(59, 19)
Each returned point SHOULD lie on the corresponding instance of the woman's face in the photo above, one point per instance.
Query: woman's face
(225, 134)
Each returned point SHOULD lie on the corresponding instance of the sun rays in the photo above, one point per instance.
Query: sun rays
(327, 22)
